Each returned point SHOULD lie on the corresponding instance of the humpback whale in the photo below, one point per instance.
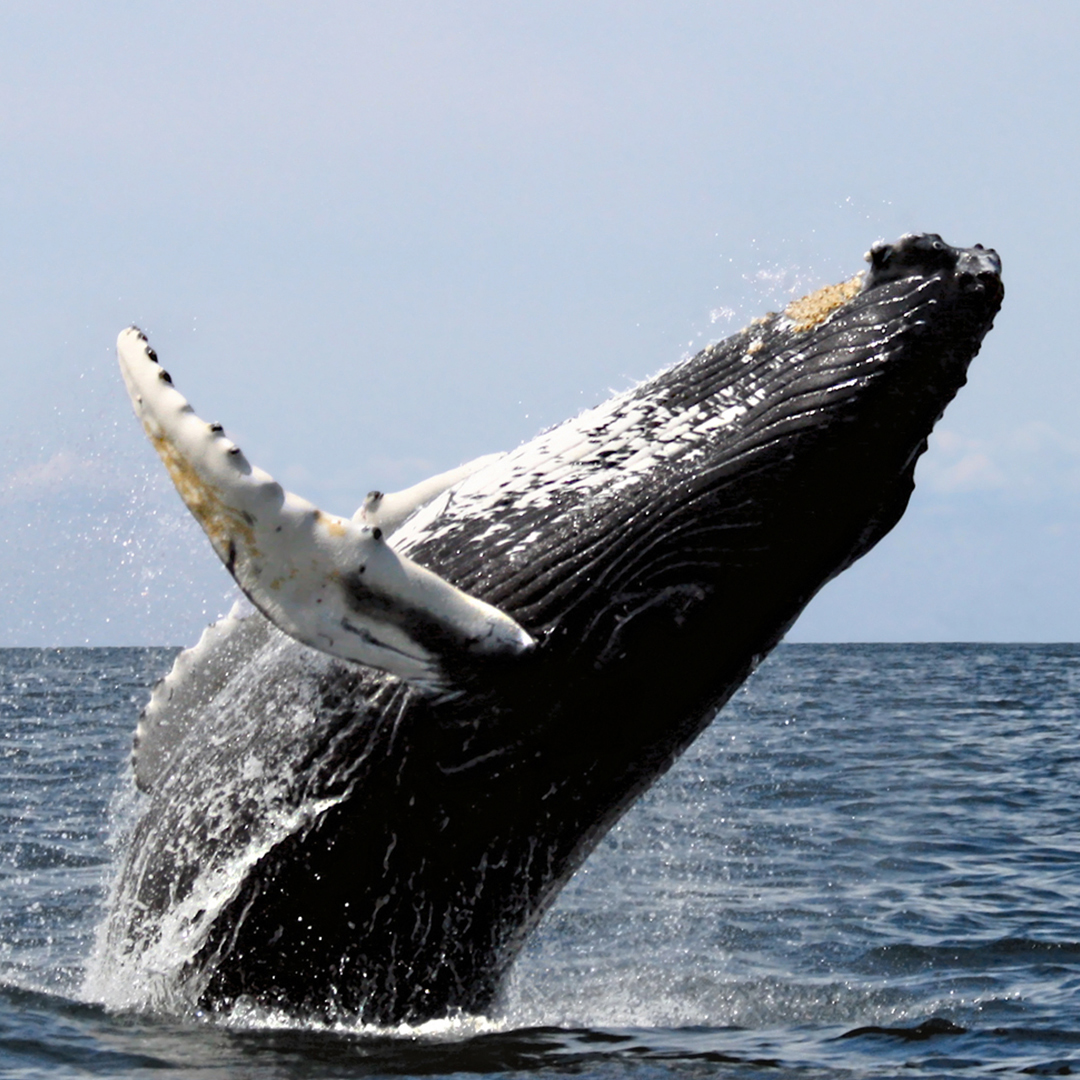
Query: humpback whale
(364, 789)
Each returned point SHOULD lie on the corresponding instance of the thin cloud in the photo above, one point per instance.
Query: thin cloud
(63, 471)
(1035, 461)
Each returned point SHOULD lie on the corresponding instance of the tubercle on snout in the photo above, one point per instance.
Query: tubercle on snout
(924, 253)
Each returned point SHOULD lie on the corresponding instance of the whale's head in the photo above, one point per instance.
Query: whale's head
(708, 505)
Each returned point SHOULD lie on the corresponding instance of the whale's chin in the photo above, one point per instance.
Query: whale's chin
(325, 835)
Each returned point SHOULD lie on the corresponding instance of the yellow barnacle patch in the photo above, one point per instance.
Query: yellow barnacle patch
(222, 523)
(333, 525)
(811, 310)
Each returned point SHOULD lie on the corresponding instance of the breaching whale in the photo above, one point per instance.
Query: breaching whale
(370, 819)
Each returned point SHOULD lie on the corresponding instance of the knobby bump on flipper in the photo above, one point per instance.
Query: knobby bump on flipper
(329, 582)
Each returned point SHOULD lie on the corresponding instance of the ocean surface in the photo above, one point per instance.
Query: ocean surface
(868, 866)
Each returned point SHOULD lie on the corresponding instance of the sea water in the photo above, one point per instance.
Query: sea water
(868, 865)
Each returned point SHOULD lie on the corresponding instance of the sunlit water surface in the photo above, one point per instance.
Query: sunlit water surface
(869, 837)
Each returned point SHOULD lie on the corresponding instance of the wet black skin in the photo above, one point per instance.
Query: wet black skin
(462, 819)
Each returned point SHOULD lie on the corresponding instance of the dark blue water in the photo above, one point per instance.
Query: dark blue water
(868, 866)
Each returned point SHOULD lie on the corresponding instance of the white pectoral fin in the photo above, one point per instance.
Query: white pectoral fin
(390, 510)
(330, 582)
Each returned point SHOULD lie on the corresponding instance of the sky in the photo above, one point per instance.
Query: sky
(376, 240)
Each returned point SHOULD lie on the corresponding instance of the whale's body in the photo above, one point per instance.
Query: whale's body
(322, 836)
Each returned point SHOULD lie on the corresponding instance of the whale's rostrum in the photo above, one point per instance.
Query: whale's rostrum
(323, 836)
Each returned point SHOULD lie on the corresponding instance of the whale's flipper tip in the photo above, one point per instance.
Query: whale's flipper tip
(330, 582)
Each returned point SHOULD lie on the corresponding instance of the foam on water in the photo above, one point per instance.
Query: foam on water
(149, 971)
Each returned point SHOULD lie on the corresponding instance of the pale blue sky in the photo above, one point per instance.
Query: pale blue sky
(377, 239)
